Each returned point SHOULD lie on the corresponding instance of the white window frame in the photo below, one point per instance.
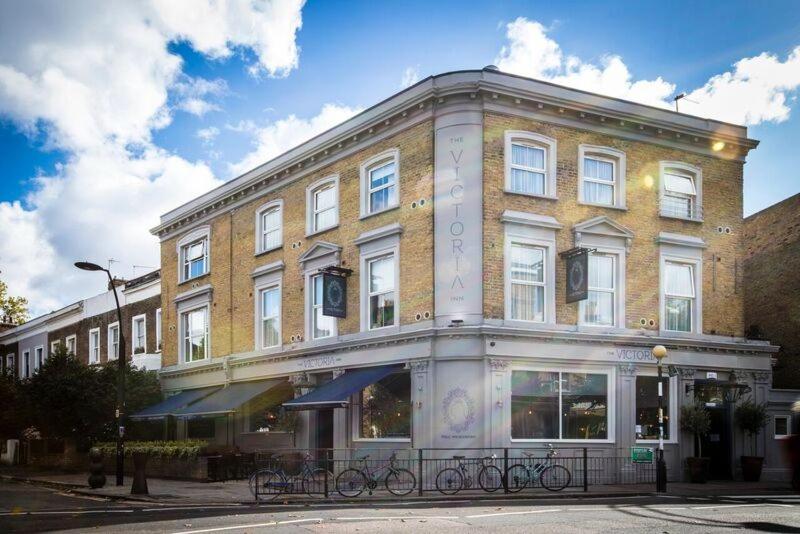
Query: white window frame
(697, 305)
(672, 383)
(25, 364)
(54, 345)
(607, 154)
(377, 161)
(109, 352)
(259, 292)
(261, 230)
(74, 339)
(681, 168)
(182, 333)
(159, 318)
(141, 317)
(310, 306)
(550, 147)
(511, 241)
(93, 331)
(311, 190)
(611, 394)
(366, 260)
(620, 259)
(37, 361)
(788, 419)
(10, 364)
(200, 234)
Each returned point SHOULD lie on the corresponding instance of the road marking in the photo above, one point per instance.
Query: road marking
(395, 518)
(740, 506)
(252, 525)
(77, 512)
(498, 514)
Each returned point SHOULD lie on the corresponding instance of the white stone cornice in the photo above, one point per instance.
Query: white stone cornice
(268, 268)
(667, 238)
(379, 233)
(530, 219)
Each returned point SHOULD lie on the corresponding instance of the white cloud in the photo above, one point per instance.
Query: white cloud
(276, 137)
(207, 135)
(97, 79)
(756, 90)
(410, 77)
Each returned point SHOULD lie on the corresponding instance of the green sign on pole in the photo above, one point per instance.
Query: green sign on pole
(642, 455)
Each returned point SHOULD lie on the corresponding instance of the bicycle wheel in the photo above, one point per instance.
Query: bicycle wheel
(314, 482)
(517, 478)
(490, 478)
(351, 483)
(449, 481)
(266, 484)
(555, 477)
(400, 482)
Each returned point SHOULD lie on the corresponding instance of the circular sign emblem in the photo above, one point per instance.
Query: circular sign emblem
(459, 410)
(335, 292)
(575, 276)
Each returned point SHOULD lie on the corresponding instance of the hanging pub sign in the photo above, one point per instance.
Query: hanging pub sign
(334, 293)
(577, 273)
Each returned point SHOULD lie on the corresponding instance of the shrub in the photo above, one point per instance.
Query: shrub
(751, 418)
(184, 449)
(696, 419)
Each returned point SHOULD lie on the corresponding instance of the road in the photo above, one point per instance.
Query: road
(25, 508)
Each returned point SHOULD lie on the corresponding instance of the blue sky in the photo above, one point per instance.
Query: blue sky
(229, 101)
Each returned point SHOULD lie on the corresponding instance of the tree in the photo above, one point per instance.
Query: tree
(14, 307)
(696, 419)
(12, 416)
(752, 417)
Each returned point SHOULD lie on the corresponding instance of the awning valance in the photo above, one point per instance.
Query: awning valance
(337, 392)
(228, 399)
(173, 403)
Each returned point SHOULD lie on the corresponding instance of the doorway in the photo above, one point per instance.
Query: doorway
(325, 428)
(717, 444)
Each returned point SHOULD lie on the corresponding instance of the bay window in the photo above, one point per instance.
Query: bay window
(270, 299)
(194, 334)
(381, 273)
(385, 408)
(527, 283)
(679, 296)
(557, 405)
(599, 307)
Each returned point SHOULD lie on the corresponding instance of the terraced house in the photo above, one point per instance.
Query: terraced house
(402, 279)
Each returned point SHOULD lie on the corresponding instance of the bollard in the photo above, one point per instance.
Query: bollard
(96, 477)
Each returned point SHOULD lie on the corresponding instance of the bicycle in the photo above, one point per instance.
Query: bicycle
(451, 480)
(352, 482)
(552, 477)
(273, 482)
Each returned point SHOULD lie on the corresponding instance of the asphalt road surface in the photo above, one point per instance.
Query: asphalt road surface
(26, 508)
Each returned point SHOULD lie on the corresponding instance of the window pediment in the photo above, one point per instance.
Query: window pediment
(602, 226)
(321, 249)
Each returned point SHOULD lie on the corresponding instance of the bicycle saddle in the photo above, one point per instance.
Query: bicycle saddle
(529, 454)
(459, 457)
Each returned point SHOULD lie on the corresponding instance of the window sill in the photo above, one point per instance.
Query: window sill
(194, 279)
(781, 437)
(679, 218)
(561, 441)
(322, 231)
(382, 440)
(532, 195)
(597, 205)
(373, 213)
(267, 251)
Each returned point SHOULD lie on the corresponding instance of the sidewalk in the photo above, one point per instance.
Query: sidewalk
(164, 491)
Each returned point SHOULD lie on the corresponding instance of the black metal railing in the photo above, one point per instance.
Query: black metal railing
(360, 473)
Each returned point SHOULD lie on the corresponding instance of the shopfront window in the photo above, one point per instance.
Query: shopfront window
(557, 405)
(647, 407)
(201, 428)
(386, 408)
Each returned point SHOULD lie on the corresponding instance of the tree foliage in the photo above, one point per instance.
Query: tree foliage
(752, 417)
(696, 419)
(14, 307)
(69, 399)
(12, 415)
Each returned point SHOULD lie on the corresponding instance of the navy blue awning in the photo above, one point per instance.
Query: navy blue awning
(173, 403)
(228, 399)
(337, 392)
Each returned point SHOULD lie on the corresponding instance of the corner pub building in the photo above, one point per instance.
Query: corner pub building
(397, 282)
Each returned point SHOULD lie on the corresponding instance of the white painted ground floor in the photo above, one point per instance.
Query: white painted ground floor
(489, 389)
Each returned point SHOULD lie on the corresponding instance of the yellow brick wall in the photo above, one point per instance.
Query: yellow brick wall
(233, 259)
(722, 206)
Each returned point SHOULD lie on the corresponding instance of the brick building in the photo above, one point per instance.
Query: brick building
(90, 329)
(399, 278)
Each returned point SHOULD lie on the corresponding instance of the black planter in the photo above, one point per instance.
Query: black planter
(139, 486)
(751, 468)
(96, 477)
(698, 470)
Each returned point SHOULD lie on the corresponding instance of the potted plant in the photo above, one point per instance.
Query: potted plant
(751, 418)
(696, 419)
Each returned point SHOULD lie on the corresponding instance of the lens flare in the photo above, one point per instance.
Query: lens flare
(648, 181)
(717, 146)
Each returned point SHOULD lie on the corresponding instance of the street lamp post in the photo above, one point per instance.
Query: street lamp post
(660, 352)
(120, 413)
